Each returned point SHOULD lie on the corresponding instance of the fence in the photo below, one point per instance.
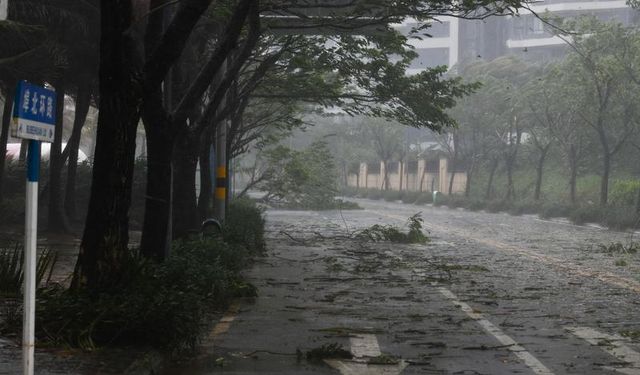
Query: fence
(420, 175)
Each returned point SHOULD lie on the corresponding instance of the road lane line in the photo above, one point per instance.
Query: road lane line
(611, 344)
(529, 360)
(563, 264)
(365, 346)
(225, 322)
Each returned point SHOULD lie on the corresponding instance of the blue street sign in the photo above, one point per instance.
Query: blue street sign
(34, 112)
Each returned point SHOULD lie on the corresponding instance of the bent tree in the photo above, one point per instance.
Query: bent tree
(130, 77)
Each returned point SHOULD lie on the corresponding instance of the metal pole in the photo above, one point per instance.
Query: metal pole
(221, 171)
(30, 242)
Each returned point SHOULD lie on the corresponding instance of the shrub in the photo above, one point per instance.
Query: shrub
(163, 306)
(374, 194)
(424, 198)
(555, 209)
(497, 206)
(12, 269)
(524, 207)
(475, 204)
(244, 224)
(586, 214)
(620, 218)
(456, 201)
(392, 195)
(410, 197)
(624, 192)
(349, 191)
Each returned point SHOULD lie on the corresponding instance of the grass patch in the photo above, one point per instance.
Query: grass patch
(12, 269)
(620, 248)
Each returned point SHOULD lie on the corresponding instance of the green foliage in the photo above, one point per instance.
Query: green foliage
(163, 306)
(620, 248)
(497, 206)
(424, 198)
(12, 269)
(586, 214)
(244, 225)
(624, 192)
(392, 195)
(620, 217)
(377, 232)
(302, 179)
(410, 197)
(555, 209)
(374, 194)
(524, 207)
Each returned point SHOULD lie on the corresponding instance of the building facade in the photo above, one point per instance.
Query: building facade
(456, 41)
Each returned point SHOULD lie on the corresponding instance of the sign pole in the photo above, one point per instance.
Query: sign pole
(30, 242)
(34, 118)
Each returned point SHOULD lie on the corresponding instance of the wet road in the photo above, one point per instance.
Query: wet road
(491, 294)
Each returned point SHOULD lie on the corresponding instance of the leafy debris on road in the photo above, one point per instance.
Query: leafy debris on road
(391, 233)
(326, 351)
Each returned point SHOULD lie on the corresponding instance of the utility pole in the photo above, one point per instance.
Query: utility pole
(220, 194)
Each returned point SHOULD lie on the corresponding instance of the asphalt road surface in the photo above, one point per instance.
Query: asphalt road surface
(490, 294)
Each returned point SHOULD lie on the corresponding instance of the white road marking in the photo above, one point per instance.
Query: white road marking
(532, 362)
(562, 264)
(363, 348)
(613, 345)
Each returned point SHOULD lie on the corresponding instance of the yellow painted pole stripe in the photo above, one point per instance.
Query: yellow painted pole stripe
(221, 172)
(221, 193)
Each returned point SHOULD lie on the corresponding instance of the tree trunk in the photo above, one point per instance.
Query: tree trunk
(206, 184)
(57, 220)
(4, 137)
(467, 185)
(539, 172)
(385, 179)
(82, 109)
(156, 228)
(604, 182)
(510, 188)
(452, 175)
(185, 211)
(401, 172)
(573, 174)
(104, 249)
(492, 173)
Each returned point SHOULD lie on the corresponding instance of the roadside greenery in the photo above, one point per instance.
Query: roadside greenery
(302, 179)
(163, 305)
